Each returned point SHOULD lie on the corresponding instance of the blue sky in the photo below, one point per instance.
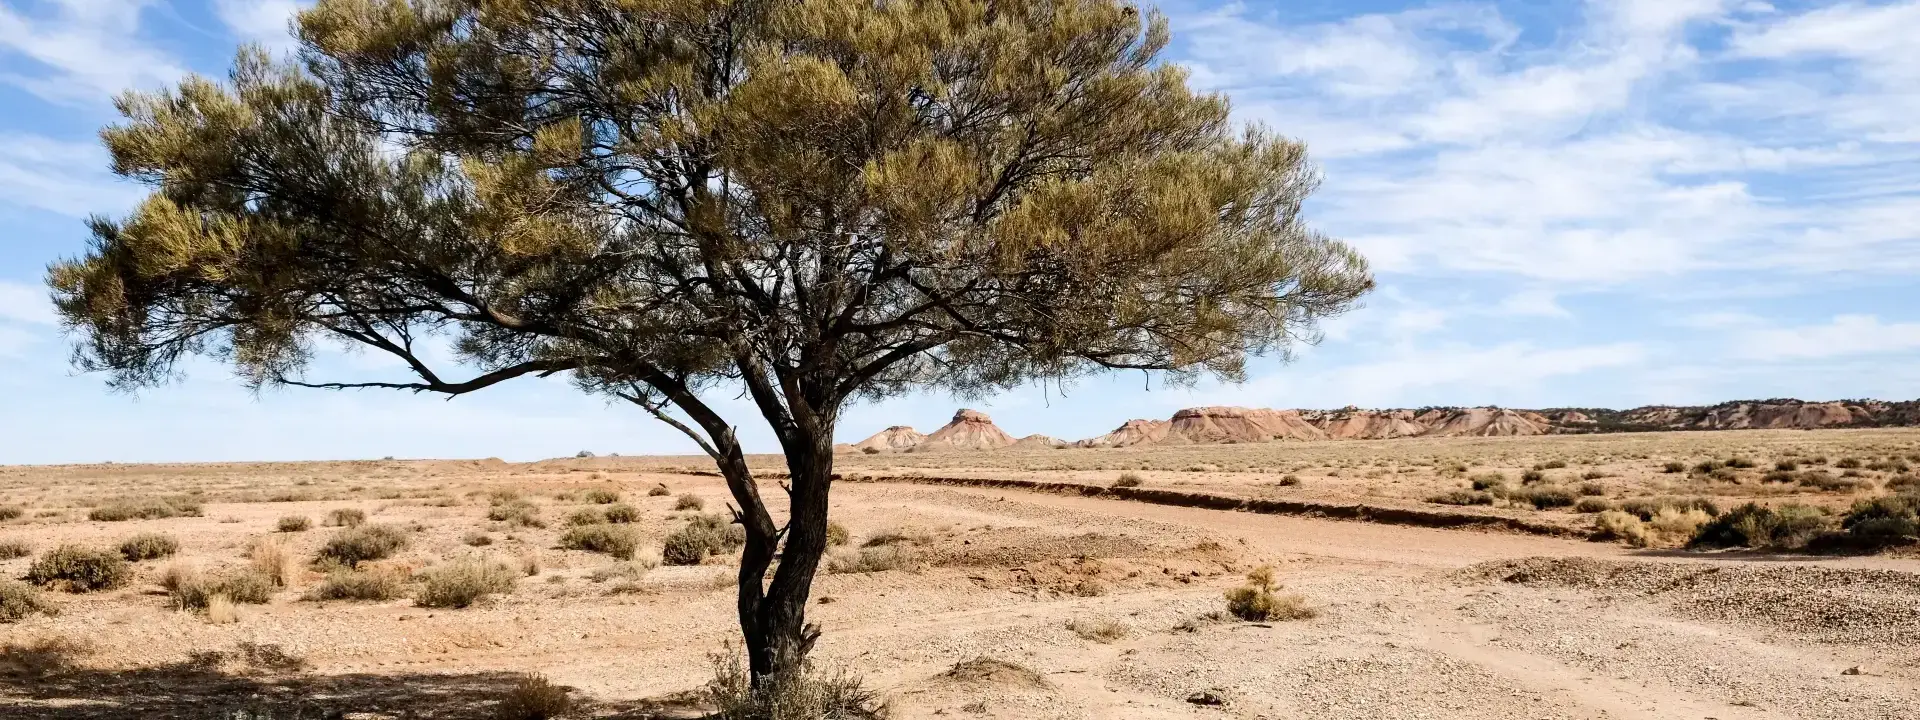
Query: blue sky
(1606, 203)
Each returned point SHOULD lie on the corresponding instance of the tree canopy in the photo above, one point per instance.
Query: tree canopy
(808, 201)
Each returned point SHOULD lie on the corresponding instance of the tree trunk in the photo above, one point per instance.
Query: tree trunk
(778, 636)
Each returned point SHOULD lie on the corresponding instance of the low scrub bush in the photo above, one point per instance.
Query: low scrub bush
(517, 512)
(872, 560)
(1488, 481)
(659, 491)
(1847, 463)
(621, 513)
(1462, 497)
(1741, 462)
(803, 694)
(191, 589)
(703, 535)
(148, 546)
(11, 512)
(477, 539)
(1257, 601)
(837, 534)
(80, 569)
(1883, 521)
(1551, 465)
(462, 583)
(602, 538)
(1543, 498)
(1673, 467)
(1592, 489)
(586, 516)
(144, 509)
(19, 600)
(1822, 480)
(353, 546)
(1751, 525)
(346, 517)
(1100, 631)
(1646, 508)
(294, 524)
(1786, 465)
(689, 501)
(1621, 526)
(1592, 505)
(11, 549)
(533, 697)
(601, 496)
(270, 556)
(1532, 476)
(373, 583)
(1127, 480)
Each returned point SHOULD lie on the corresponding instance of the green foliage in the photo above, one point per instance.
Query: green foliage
(80, 569)
(602, 538)
(356, 545)
(462, 583)
(148, 546)
(19, 600)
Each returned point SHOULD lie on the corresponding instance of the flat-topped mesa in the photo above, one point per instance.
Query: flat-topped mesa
(898, 438)
(1238, 424)
(1484, 422)
(969, 430)
(1356, 424)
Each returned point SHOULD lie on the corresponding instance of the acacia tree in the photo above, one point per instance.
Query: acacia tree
(805, 201)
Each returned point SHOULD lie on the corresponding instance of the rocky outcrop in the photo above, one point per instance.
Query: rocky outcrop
(1129, 434)
(1485, 422)
(898, 438)
(969, 430)
(1355, 424)
(1039, 442)
(1208, 425)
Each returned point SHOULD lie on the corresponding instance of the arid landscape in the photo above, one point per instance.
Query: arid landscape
(1022, 583)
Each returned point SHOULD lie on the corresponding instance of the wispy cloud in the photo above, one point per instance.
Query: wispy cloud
(24, 303)
(260, 21)
(1845, 336)
(86, 51)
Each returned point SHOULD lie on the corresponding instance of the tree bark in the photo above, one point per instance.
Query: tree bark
(778, 636)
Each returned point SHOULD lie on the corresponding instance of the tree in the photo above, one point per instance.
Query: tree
(808, 201)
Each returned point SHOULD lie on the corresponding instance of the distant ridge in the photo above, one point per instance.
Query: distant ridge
(973, 430)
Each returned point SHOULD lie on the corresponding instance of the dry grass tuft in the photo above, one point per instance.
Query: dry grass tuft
(1257, 602)
(462, 583)
(346, 517)
(872, 560)
(373, 584)
(533, 697)
(803, 695)
(1100, 631)
(11, 549)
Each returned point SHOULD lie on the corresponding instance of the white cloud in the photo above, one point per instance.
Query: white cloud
(1718, 320)
(20, 302)
(87, 50)
(1445, 373)
(1847, 335)
(68, 178)
(261, 21)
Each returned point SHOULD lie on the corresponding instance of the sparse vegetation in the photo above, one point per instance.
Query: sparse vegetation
(346, 517)
(533, 697)
(872, 559)
(1789, 526)
(689, 501)
(11, 549)
(1127, 480)
(703, 535)
(148, 546)
(145, 509)
(1100, 631)
(79, 569)
(190, 589)
(19, 601)
(370, 584)
(1257, 601)
(11, 512)
(1674, 467)
(1593, 505)
(803, 694)
(516, 512)
(293, 524)
(659, 491)
(601, 496)
(602, 538)
(837, 534)
(1462, 497)
(621, 513)
(1543, 498)
(462, 583)
(356, 545)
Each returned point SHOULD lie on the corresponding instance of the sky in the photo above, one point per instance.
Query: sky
(1589, 204)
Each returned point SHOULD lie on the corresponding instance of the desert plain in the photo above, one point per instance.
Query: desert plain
(1017, 583)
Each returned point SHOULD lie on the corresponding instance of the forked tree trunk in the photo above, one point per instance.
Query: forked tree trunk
(773, 615)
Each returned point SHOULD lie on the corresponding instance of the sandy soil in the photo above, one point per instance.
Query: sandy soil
(1413, 622)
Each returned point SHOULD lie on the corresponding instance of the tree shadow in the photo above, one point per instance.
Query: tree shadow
(1746, 555)
(259, 682)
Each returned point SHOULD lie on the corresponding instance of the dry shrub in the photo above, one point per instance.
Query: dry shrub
(271, 558)
(11, 549)
(1488, 481)
(1822, 480)
(1669, 527)
(533, 697)
(144, 509)
(621, 513)
(1543, 498)
(837, 534)
(1792, 525)
(805, 694)
(602, 538)
(871, 560)
(1127, 480)
(294, 524)
(477, 539)
(80, 569)
(1593, 505)
(601, 496)
(462, 583)
(356, 545)
(1257, 602)
(703, 535)
(659, 491)
(1100, 631)
(689, 501)
(148, 546)
(894, 537)
(1674, 467)
(586, 516)
(373, 583)
(1461, 497)
(11, 512)
(346, 517)
(517, 512)
(1880, 522)
(221, 610)
(19, 600)
(620, 571)
(191, 589)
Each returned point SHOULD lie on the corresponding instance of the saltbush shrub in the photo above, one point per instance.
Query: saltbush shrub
(689, 501)
(462, 583)
(1462, 497)
(602, 538)
(373, 583)
(356, 545)
(294, 524)
(346, 517)
(144, 509)
(601, 496)
(1752, 525)
(19, 600)
(80, 569)
(619, 513)
(148, 546)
